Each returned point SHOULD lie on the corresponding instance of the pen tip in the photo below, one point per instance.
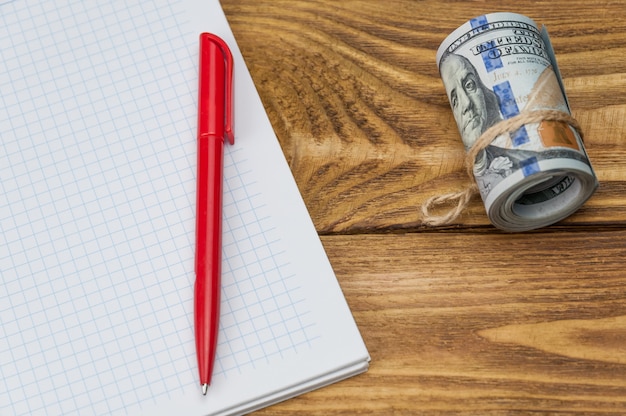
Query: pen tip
(205, 387)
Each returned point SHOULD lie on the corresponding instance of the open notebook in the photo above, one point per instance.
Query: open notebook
(97, 205)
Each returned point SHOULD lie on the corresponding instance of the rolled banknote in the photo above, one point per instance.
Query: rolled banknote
(501, 78)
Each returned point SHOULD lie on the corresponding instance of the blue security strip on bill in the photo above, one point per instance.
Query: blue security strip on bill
(508, 108)
(491, 61)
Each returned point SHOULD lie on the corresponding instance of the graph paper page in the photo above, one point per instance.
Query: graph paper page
(97, 217)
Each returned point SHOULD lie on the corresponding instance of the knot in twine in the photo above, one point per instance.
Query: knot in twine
(463, 197)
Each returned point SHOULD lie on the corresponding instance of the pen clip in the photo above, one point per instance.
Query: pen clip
(229, 89)
(230, 108)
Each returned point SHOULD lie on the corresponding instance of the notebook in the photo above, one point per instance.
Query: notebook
(97, 217)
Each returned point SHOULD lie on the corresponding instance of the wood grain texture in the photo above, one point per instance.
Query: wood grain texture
(462, 319)
(534, 322)
(354, 94)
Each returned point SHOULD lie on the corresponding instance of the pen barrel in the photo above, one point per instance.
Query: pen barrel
(208, 251)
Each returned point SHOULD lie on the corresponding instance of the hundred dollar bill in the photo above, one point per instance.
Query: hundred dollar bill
(496, 67)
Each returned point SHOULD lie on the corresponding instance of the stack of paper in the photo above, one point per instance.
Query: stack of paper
(97, 205)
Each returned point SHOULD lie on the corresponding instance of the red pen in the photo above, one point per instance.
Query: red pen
(215, 122)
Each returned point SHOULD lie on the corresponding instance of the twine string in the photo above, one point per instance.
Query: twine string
(461, 199)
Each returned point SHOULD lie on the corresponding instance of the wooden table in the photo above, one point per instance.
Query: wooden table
(463, 318)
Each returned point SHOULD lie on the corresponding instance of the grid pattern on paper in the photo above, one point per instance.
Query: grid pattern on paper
(263, 314)
(97, 180)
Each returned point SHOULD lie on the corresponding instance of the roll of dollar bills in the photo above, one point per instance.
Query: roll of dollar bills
(497, 69)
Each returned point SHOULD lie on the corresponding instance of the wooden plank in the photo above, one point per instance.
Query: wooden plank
(353, 92)
(485, 324)
(465, 319)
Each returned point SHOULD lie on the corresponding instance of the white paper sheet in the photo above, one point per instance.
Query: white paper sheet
(97, 205)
